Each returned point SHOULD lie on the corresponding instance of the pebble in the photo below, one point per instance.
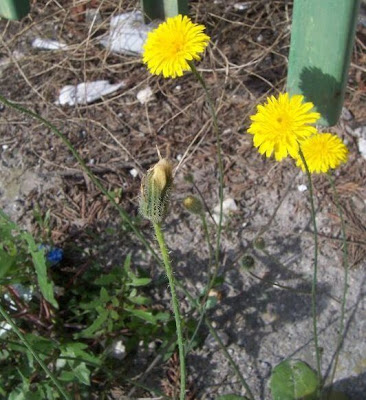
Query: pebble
(302, 188)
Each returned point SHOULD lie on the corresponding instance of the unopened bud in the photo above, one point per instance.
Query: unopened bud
(193, 205)
(259, 243)
(155, 191)
(247, 262)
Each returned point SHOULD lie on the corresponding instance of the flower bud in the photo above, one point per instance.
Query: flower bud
(193, 205)
(155, 191)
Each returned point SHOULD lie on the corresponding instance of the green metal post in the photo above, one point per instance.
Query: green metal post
(162, 9)
(322, 37)
(14, 9)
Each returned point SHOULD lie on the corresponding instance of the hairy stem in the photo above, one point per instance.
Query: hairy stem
(169, 272)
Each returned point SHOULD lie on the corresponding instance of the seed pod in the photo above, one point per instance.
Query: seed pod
(193, 205)
(155, 191)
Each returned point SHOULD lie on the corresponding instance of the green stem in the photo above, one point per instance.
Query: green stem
(206, 293)
(229, 358)
(346, 270)
(169, 272)
(220, 164)
(212, 330)
(315, 271)
(125, 217)
(34, 354)
(207, 236)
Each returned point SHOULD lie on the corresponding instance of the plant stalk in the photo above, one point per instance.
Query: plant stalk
(345, 285)
(169, 272)
(315, 270)
(220, 164)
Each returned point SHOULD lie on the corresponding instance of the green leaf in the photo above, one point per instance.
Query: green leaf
(82, 373)
(45, 284)
(89, 332)
(294, 380)
(67, 376)
(145, 315)
(6, 262)
(140, 300)
(139, 281)
(104, 296)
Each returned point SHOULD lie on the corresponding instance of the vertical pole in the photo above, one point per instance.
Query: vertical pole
(162, 9)
(322, 37)
(14, 9)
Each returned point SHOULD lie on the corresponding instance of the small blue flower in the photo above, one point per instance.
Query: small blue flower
(55, 255)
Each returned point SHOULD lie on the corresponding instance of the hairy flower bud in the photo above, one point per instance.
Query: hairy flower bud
(155, 191)
(193, 205)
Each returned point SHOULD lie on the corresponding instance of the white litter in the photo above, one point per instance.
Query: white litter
(127, 33)
(228, 206)
(5, 146)
(302, 188)
(134, 172)
(118, 350)
(362, 146)
(48, 44)
(86, 92)
(241, 6)
(5, 328)
(145, 95)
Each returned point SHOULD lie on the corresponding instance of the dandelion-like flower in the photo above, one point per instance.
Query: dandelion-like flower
(281, 123)
(172, 44)
(322, 152)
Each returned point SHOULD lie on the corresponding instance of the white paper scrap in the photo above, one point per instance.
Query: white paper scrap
(145, 95)
(47, 44)
(127, 33)
(362, 146)
(86, 92)
(302, 188)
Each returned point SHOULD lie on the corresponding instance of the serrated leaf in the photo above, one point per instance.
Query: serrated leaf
(39, 261)
(139, 282)
(294, 380)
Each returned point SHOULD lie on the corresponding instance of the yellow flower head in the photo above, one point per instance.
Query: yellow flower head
(172, 44)
(322, 151)
(281, 123)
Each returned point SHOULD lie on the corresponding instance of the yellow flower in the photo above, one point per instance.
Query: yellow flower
(281, 123)
(322, 151)
(172, 44)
